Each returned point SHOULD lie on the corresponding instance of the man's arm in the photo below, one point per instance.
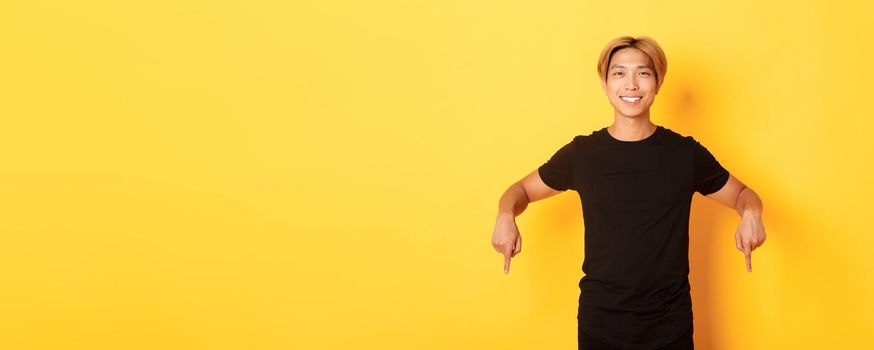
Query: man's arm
(736, 195)
(751, 231)
(529, 189)
(506, 238)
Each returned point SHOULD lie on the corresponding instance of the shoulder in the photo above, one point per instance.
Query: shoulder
(592, 136)
(672, 135)
(576, 140)
(676, 137)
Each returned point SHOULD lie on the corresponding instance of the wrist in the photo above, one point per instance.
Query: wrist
(754, 212)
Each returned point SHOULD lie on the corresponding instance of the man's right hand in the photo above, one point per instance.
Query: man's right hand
(506, 239)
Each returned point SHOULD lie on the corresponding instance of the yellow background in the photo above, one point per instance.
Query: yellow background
(325, 174)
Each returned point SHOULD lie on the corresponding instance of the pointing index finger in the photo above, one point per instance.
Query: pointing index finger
(749, 257)
(506, 262)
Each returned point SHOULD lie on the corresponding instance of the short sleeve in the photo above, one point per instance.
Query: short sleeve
(557, 172)
(710, 176)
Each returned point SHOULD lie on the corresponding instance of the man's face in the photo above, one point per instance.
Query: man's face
(631, 82)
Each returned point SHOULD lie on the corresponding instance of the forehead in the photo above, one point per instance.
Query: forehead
(630, 57)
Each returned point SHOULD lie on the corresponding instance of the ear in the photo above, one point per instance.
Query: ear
(604, 85)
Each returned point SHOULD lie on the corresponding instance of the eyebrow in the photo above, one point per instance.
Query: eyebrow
(621, 66)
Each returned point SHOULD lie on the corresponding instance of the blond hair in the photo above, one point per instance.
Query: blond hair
(643, 43)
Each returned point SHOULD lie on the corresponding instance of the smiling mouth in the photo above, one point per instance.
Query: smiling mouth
(631, 99)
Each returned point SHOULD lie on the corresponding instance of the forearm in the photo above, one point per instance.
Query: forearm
(513, 202)
(748, 202)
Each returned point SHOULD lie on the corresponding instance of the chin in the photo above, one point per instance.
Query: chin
(631, 114)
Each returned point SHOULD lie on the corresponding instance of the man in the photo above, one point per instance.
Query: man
(635, 180)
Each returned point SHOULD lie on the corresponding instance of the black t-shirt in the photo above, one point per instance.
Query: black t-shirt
(636, 197)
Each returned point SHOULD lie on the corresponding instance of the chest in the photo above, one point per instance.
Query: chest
(656, 176)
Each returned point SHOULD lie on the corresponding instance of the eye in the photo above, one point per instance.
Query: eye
(617, 73)
(644, 73)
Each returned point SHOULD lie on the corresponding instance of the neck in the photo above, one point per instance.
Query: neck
(631, 129)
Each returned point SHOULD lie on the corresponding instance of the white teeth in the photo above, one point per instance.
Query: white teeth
(631, 99)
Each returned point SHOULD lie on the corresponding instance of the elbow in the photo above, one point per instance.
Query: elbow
(522, 204)
(748, 202)
(738, 202)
